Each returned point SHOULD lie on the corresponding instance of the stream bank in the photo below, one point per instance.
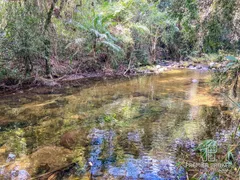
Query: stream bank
(45, 85)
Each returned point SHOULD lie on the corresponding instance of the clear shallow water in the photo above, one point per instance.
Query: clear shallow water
(116, 129)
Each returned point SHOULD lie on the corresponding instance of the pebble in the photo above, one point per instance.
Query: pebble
(11, 157)
(20, 175)
(195, 81)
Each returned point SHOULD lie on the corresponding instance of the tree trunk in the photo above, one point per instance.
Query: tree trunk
(153, 48)
(28, 65)
(235, 86)
(94, 46)
(49, 15)
(47, 42)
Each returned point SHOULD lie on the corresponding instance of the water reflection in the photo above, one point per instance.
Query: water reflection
(112, 130)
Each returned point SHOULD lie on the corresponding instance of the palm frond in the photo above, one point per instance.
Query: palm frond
(113, 46)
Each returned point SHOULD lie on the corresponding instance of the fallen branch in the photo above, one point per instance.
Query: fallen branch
(46, 82)
(129, 66)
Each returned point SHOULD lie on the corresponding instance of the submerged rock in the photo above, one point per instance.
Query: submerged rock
(195, 81)
(52, 156)
(148, 168)
(11, 157)
(97, 138)
(20, 175)
(134, 136)
(43, 160)
(73, 138)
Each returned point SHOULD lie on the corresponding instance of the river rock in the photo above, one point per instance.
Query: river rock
(73, 138)
(195, 81)
(11, 157)
(211, 65)
(45, 159)
(20, 175)
(97, 138)
(52, 157)
(134, 137)
(199, 66)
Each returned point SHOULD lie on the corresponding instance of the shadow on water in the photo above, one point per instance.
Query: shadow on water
(118, 129)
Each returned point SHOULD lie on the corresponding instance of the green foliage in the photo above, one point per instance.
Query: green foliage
(10, 75)
(213, 40)
(98, 34)
(230, 75)
(187, 16)
(204, 146)
(109, 118)
(214, 57)
(229, 155)
(23, 39)
(130, 32)
(231, 58)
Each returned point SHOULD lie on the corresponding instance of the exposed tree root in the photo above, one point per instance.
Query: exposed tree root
(10, 87)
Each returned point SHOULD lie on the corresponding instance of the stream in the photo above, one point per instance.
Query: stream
(112, 129)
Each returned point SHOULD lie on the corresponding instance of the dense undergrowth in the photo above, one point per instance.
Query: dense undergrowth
(59, 37)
